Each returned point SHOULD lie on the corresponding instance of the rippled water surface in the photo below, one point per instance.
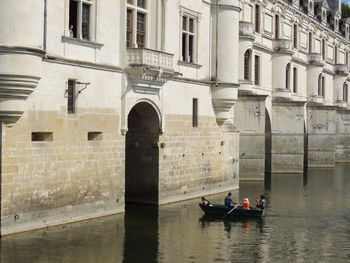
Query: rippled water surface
(307, 220)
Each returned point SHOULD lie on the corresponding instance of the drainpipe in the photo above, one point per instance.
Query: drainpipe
(45, 26)
(216, 41)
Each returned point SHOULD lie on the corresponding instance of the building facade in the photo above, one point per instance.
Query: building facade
(107, 102)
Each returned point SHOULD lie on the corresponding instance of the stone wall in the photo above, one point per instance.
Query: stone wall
(67, 179)
(191, 163)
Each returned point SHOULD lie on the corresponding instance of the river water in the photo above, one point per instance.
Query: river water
(307, 220)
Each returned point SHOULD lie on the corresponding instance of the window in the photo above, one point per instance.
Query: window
(321, 85)
(323, 49)
(257, 70)
(257, 18)
(246, 67)
(188, 39)
(345, 92)
(336, 55)
(295, 79)
(295, 36)
(80, 19)
(136, 22)
(277, 26)
(71, 97)
(287, 75)
(310, 42)
(347, 58)
(195, 113)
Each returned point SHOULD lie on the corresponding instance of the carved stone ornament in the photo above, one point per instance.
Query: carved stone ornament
(246, 29)
(341, 69)
(316, 59)
(283, 46)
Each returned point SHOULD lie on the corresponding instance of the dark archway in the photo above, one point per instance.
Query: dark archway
(142, 155)
(268, 149)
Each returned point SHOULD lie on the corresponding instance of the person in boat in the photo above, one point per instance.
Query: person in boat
(261, 203)
(205, 201)
(229, 200)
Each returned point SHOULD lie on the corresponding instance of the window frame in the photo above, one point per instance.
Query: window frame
(189, 14)
(257, 18)
(287, 76)
(295, 36)
(295, 79)
(79, 20)
(194, 112)
(135, 10)
(257, 69)
(247, 62)
(71, 98)
(345, 92)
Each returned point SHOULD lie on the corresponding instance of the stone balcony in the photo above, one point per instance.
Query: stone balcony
(148, 69)
(283, 46)
(246, 29)
(341, 69)
(316, 59)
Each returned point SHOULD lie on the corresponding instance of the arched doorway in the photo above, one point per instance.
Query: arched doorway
(142, 155)
(268, 148)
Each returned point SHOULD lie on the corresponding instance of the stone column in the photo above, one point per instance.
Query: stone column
(224, 90)
(287, 135)
(321, 129)
(225, 87)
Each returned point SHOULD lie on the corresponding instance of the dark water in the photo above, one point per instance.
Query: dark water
(307, 220)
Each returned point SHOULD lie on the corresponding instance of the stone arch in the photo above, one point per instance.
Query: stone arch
(142, 154)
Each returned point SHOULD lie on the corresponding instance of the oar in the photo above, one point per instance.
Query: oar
(231, 210)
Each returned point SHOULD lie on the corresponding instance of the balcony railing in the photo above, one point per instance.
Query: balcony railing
(149, 57)
(148, 69)
(246, 29)
(283, 45)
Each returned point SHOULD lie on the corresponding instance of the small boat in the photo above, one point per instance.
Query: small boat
(222, 210)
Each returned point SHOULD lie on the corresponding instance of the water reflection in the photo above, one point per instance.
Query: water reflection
(307, 220)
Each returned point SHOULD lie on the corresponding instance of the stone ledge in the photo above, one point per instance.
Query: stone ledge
(81, 42)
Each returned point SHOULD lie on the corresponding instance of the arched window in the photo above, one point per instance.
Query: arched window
(287, 76)
(345, 92)
(247, 57)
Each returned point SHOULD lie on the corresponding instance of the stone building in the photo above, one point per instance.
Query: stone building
(106, 102)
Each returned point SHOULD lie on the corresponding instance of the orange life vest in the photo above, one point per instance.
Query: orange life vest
(246, 205)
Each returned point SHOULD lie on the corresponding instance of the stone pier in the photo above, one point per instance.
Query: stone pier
(321, 130)
(287, 137)
(250, 120)
(342, 144)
